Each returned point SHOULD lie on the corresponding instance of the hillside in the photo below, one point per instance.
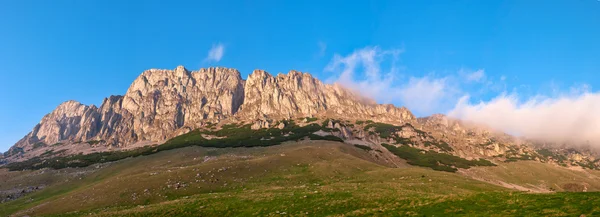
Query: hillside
(310, 178)
(161, 105)
(210, 142)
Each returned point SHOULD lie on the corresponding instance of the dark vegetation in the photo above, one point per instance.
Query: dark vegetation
(384, 130)
(434, 160)
(309, 119)
(234, 135)
(231, 135)
(326, 137)
(545, 155)
(94, 142)
(363, 147)
(387, 131)
(440, 144)
(326, 123)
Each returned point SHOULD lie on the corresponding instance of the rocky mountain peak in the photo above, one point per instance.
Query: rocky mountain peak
(162, 103)
(181, 71)
(69, 109)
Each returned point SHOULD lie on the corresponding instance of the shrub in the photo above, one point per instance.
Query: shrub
(94, 142)
(434, 160)
(232, 136)
(327, 137)
(309, 119)
(363, 147)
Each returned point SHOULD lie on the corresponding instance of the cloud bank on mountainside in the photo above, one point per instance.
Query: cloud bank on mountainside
(373, 72)
(567, 118)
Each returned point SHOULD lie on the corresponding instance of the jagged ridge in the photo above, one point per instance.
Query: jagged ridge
(161, 104)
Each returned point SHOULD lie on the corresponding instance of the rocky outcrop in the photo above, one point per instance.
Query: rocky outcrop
(299, 94)
(157, 104)
(161, 104)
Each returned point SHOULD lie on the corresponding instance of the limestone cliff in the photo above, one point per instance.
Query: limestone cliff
(161, 104)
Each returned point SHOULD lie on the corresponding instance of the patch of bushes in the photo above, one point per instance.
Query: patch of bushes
(325, 123)
(94, 142)
(434, 160)
(327, 137)
(546, 153)
(210, 125)
(79, 160)
(384, 130)
(440, 144)
(309, 119)
(363, 147)
(230, 136)
(518, 158)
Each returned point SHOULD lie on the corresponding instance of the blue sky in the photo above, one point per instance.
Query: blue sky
(427, 55)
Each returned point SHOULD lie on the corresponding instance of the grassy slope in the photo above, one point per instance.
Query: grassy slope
(532, 174)
(306, 179)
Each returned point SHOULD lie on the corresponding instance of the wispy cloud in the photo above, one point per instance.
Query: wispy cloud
(373, 72)
(473, 76)
(566, 115)
(427, 94)
(215, 53)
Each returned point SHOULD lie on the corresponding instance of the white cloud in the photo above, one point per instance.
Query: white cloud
(426, 94)
(215, 53)
(567, 118)
(373, 73)
(474, 76)
(566, 115)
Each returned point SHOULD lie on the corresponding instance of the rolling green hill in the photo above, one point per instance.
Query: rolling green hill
(309, 178)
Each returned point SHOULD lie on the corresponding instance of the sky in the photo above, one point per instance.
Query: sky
(536, 62)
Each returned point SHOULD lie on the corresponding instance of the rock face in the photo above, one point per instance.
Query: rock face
(161, 104)
(300, 94)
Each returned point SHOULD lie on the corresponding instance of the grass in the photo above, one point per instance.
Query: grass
(312, 178)
(325, 204)
(265, 180)
(533, 174)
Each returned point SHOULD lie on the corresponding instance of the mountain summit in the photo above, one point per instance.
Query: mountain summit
(193, 107)
(161, 104)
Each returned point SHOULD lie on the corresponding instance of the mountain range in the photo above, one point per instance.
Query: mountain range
(161, 105)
